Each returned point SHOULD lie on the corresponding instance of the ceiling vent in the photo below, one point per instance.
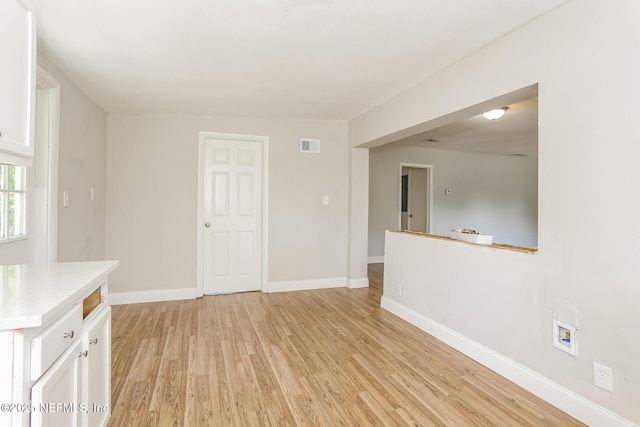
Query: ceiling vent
(309, 145)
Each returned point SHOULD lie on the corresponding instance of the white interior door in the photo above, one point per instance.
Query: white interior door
(232, 215)
(416, 197)
(417, 200)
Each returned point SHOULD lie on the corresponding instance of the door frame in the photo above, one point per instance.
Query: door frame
(46, 204)
(265, 199)
(429, 171)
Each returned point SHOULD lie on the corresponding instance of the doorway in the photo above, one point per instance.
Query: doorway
(232, 232)
(416, 197)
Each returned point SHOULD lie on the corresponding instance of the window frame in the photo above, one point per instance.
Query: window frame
(5, 193)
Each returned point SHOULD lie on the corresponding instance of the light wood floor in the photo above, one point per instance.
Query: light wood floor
(311, 358)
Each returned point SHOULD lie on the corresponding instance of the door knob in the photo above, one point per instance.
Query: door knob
(206, 224)
(410, 215)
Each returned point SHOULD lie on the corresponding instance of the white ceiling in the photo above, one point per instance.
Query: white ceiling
(515, 133)
(319, 59)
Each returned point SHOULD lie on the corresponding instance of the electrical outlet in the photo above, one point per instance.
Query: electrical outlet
(399, 290)
(603, 376)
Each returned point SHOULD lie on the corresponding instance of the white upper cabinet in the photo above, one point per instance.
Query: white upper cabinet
(17, 81)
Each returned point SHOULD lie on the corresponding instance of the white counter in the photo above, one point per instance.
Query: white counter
(33, 295)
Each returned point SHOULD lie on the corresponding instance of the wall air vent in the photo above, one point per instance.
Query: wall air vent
(309, 145)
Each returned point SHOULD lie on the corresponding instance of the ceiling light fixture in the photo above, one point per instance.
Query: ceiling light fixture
(495, 114)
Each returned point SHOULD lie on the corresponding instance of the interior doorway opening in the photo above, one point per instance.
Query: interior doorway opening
(416, 197)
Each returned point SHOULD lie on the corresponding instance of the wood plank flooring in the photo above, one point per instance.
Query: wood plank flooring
(328, 357)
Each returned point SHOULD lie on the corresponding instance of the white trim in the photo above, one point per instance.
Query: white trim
(200, 219)
(361, 282)
(14, 239)
(429, 169)
(560, 397)
(306, 285)
(33, 67)
(265, 212)
(46, 81)
(119, 298)
(375, 259)
(15, 159)
(265, 204)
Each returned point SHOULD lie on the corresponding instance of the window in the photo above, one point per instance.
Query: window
(12, 201)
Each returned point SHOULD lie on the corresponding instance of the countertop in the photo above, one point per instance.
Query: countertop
(493, 246)
(34, 295)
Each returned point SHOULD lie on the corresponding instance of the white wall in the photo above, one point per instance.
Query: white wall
(442, 294)
(152, 180)
(583, 57)
(82, 166)
(496, 195)
(358, 216)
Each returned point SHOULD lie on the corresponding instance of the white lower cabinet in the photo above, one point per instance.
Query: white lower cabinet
(54, 395)
(76, 390)
(55, 344)
(95, 368)
(49, 344)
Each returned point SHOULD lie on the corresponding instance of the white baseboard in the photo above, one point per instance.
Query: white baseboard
(118, 298)
(375, 259)
(361, 282)
(560, 397)
(306, 285)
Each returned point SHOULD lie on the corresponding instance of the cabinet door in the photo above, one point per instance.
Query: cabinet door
(55, 395)
(17, 81)
(96, 368)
